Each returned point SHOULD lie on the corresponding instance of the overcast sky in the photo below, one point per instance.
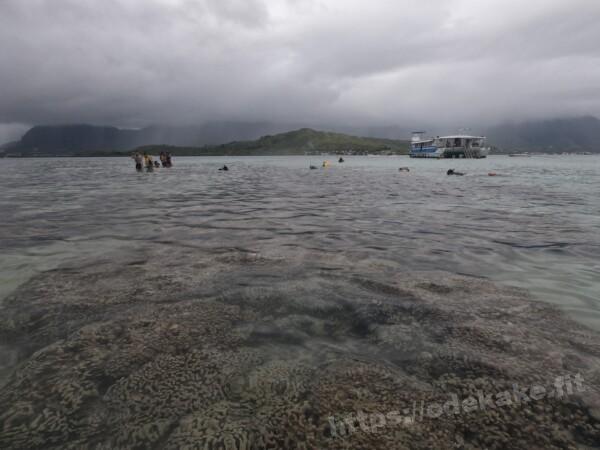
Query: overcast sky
(425, 63)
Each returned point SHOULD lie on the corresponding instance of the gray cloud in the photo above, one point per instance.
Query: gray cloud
(11, 131)
(436, 63)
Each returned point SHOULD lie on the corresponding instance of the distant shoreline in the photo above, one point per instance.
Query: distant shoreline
(120, 155)
(333, 154)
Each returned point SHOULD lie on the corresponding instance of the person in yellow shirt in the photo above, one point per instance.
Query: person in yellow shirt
(148, 162)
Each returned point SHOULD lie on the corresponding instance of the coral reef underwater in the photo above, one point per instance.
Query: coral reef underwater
(243, 351)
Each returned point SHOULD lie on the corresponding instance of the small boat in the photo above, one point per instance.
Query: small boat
(456, 146)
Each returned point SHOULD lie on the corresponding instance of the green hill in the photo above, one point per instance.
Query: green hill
(298, 142)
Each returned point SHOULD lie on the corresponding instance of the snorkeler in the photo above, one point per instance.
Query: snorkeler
(453, 172)
(224, 168)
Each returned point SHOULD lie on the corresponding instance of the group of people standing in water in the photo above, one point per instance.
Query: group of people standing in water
(146, 161)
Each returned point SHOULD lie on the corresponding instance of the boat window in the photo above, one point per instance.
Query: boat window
(457, 142)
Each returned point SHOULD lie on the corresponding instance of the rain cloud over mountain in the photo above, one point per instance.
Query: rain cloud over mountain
(438, 64)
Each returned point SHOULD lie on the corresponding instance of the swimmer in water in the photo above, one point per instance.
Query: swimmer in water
(225, 168)
(453, 172)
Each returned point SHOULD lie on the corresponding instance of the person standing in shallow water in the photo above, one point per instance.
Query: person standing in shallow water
(139, 161)
(164, 159)
(149, 163)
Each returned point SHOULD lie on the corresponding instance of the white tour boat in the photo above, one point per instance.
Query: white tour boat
(457, 146)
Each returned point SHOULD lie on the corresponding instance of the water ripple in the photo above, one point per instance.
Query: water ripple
(536, 226)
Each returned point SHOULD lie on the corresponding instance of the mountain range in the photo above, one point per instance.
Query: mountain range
(556, 135)
(84, 139)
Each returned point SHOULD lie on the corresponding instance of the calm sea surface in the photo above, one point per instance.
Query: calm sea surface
(536, 225)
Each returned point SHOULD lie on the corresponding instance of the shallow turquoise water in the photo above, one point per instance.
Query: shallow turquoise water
(536, 225)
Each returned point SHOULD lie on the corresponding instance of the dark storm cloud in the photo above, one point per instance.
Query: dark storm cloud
(436, 62)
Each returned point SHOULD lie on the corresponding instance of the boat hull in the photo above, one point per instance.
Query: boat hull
(450, 152)
(426, 152)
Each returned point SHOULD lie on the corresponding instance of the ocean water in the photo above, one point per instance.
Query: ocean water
(270, 305)
(535, 225)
